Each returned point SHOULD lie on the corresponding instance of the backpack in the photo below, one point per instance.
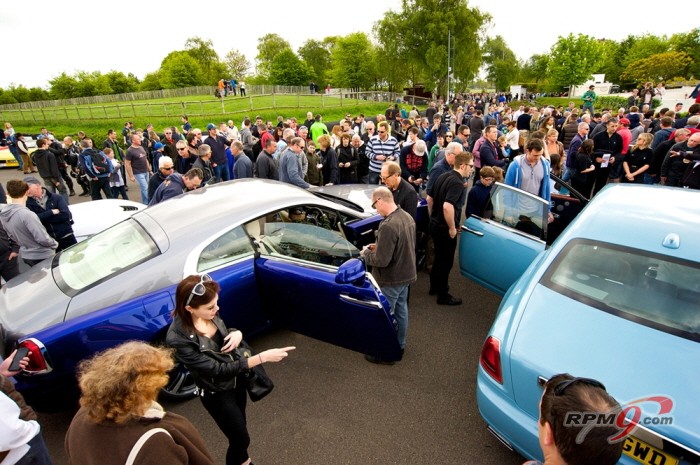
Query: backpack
(99, 161)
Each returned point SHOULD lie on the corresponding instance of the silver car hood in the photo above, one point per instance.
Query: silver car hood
(34, 285)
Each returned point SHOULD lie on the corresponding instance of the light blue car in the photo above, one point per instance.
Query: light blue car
(615, 298)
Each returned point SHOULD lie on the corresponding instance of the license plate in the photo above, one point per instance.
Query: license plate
(646, 454)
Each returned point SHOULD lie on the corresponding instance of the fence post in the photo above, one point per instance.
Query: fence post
(250, 98)
(65, 110)
(133, 110)
(273, 97)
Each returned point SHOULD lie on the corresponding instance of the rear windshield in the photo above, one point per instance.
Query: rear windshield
(651, 289)
(103, 255)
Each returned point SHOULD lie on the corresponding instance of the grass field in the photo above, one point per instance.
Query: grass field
(96, 119)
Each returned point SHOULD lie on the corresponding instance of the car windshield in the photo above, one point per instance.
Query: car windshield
(654, 290)
(103, 255)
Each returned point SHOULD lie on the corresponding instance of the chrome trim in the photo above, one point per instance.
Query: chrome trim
(44, 355)
(501, 439)
(513, 230)
(365, 303)
(472, 231)
(541, 381)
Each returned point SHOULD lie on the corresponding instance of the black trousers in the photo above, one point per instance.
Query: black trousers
(8, 268)
(445, 248)
(227, 408)
(100, 185)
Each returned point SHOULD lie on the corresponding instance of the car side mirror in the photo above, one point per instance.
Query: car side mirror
(350, 271)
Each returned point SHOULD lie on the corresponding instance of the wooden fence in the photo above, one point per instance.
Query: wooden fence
(126, 109)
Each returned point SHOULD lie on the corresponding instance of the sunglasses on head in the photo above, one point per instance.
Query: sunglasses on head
(199, 288)
(561, 387)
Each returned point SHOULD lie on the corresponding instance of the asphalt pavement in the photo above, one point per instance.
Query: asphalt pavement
(330, 406)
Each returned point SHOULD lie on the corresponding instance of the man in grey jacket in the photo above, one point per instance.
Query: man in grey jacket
(290, 170)
(393, 258)
(24, 227)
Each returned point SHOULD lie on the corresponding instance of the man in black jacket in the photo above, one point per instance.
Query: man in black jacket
(46, 163)
(53, 212)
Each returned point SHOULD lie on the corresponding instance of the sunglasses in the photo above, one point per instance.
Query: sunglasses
(381, 132)
(199, 288)
(168, 168)
(449, 135)
(181, 149)
(560, 388)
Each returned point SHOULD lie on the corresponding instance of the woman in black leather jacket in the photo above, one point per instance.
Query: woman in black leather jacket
(205, 346)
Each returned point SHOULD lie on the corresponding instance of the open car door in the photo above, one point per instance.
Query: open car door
(307, 286)
(495, 249)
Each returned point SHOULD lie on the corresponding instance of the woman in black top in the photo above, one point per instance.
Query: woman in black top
(638, 159)
(204, 345)
(583, 165)
(347, 161)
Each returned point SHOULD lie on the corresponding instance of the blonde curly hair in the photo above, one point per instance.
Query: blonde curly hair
(121, 383)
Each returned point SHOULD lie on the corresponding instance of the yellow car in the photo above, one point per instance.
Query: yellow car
(7, 160)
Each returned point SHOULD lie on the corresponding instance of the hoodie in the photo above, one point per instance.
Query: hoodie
(24, 228)
(46, 163)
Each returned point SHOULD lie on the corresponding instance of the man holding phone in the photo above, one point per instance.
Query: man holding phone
(21, 441)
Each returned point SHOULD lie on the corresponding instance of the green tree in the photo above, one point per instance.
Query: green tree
(63, 86)
(269, 46)
(502, 66)
(204, 54)
(645, 46)
(534, 70)
(181, 70)
(688, 42)
(151, 82)
(237, 65)
(436, 19)
(317, 54)
(352, 62)
(121, 83)
(610, 64)
(287, 69)
(573, 59)
(658, 67)
(393, 54)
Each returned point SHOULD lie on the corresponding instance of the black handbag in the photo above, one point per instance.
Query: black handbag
(257, 383)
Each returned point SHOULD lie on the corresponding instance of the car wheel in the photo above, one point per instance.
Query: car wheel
(181, 384)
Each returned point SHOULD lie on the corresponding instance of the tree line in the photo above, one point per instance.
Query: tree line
(409, 47)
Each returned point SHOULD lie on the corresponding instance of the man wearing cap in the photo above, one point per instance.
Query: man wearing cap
(218, 144)
(414, 163)
(47, 165)
(23, 227)
(166, 167)
(137, 166)
(53, 212)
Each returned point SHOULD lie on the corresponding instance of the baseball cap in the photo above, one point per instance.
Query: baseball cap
(31, 180)
(158, 146)
(210, 126)
(625, 121)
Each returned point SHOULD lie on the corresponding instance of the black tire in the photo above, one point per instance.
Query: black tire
(180, 385)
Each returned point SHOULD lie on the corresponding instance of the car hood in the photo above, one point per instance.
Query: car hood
(560, 335)
(31, 301)
(358, 194)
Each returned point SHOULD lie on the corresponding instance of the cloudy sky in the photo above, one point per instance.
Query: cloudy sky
(128, 36)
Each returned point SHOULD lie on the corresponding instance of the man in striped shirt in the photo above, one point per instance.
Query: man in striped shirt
(381, 148)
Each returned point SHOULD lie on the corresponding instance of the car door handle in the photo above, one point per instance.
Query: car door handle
(471, 231)
(366, 303)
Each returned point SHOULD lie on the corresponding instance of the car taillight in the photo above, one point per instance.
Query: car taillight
(491, 358)
(37, 358)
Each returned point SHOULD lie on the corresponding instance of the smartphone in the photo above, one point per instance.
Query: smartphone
(21, 353)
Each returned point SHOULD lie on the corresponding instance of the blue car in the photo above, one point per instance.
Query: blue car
(282, 255)
(615, 298)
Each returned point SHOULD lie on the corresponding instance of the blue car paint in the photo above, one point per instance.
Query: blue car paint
(531, 317)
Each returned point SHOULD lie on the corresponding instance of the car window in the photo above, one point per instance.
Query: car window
(306, 233)
(103, 255)
(652, 289)
(226, 248)
(517, 209)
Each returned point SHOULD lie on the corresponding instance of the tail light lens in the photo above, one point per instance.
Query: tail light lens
(491, 358)
(38, 358)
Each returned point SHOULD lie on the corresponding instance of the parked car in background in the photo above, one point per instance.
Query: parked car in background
(7, 160)
(282, 255)
(615, 298)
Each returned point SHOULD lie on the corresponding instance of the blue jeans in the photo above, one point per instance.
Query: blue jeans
(38, 454)
(142, 181)
(221, 172)
(398, 298)
(373, 178)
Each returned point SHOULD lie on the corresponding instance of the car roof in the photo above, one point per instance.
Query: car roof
(220, 205)
(641, 216)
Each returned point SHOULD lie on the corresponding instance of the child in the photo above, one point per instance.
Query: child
(116, 182)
